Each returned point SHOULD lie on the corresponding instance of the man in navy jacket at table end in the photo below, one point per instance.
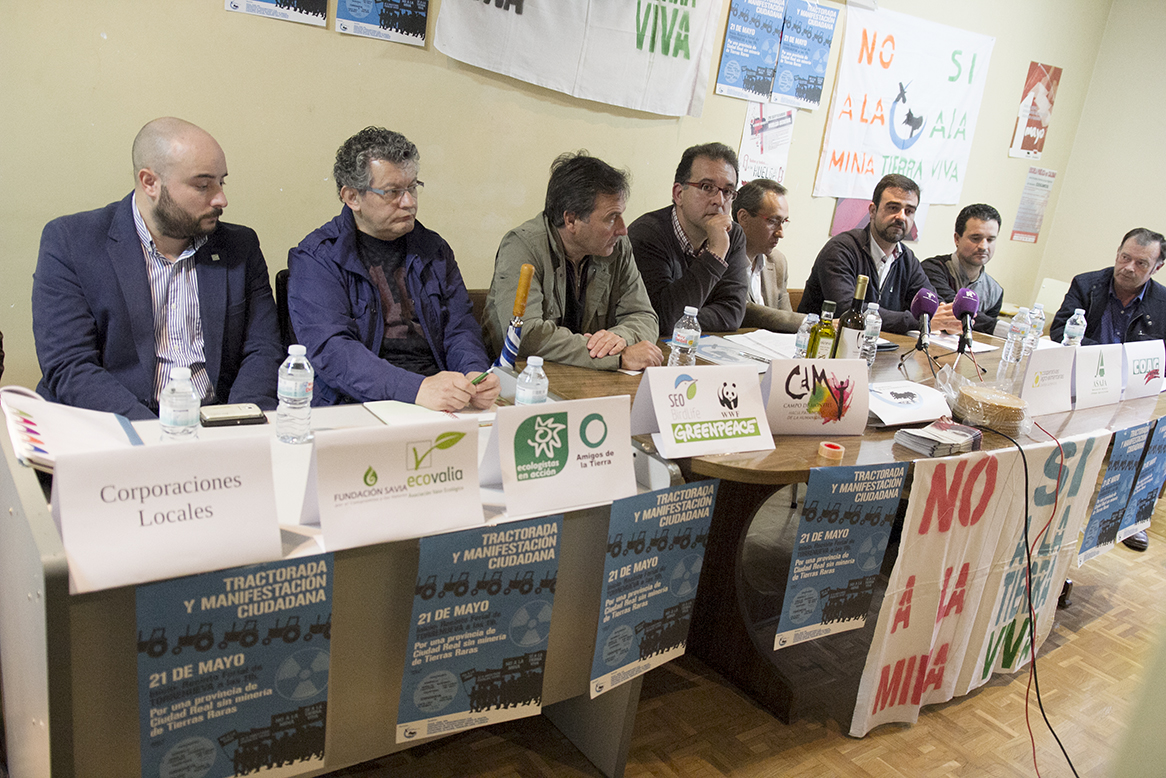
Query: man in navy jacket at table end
(1122, 304)
(377, 298)
(122, 294)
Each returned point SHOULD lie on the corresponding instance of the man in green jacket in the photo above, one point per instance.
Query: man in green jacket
(587, 304)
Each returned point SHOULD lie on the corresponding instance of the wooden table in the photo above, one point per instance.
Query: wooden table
(821, 674)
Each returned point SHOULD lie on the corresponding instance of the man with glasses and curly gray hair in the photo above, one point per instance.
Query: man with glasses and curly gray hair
(377, 298)
(692, 252)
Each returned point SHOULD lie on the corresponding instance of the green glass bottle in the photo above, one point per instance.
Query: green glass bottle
(823, 334)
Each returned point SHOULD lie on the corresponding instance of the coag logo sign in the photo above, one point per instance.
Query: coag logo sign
(541, 446)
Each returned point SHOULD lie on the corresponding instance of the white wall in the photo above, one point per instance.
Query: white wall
(79, 80)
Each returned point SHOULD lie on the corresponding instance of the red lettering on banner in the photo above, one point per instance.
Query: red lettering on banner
(876, 117)
(896, 687)
(903, 611)
(847, 109)
(870, 41)
(850, 162)
(956, 603)
(942, 500)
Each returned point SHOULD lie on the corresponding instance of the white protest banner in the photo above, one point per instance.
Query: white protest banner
(1142, 360)
(1097, 375)
(559, 456)
(955, 611)
(376, 484)
(1048, 379)
(648, 55)
(148, 513)
(707, 409)
(816, 396)
(906, 101)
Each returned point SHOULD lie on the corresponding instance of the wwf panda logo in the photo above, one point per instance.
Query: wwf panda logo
(728, 395)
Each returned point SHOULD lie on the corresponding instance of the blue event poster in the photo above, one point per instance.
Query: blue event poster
(1149, 482)
(314, 12)
(749, 56)
(842, 536)
(655, 549)
(1114, 494)
(233, 670)
(481, 618)
(400, 21)
(805, 49)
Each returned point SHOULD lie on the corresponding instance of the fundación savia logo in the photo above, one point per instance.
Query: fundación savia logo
(540, 446)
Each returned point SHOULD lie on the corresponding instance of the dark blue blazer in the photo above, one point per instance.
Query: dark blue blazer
(93, 320)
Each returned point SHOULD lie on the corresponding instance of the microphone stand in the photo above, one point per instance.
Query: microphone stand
(923, 344)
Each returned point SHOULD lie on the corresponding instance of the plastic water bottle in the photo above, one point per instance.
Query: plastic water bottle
(1036, 326)
(685, 337)
(178, 407)
(802, 340)
(293, 419)
(1010, 354)
(1037, 318)
(1074, 328)
(533, 384)
(870, 335)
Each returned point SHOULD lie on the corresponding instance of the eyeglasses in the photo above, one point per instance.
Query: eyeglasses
(393, 195)
(776, 223)
(710, 190)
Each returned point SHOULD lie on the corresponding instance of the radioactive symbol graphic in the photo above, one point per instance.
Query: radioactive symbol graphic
(870, 552)
(686, 576)
(302, 675)
(531, 623)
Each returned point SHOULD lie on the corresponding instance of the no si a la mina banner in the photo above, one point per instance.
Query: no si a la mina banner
(956, 609)
(906, 101)
(648, 55)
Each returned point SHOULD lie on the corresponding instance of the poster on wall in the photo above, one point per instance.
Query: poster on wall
(481, 617)
(233, 670)
(806, 39)
(1034, 198)
(1100, 532)
(749, 54)
(314, 12)
(907, 99)
(1035, 111)
(399, 21)
(655, 551)
(1151, 474)
(765, 141)
(842, 535)
(956, 608)
(648, 55)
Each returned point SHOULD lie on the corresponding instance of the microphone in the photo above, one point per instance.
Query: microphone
(965, 306)
(923, 307)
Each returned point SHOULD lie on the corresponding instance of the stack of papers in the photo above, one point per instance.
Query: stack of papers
(894, 403)
(941, 438)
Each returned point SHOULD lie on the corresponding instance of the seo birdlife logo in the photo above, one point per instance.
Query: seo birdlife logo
(541, 446)
(681, 397)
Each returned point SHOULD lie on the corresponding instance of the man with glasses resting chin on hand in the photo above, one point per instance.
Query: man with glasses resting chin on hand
(377, 298)
(692, 252)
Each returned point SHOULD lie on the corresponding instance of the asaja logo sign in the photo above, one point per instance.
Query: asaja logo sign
(540, 446)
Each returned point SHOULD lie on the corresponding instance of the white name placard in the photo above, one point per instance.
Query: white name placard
(1097, 375)
(707, 409)
(378, 484)
(559, 456)
(134, 515)
(816, 396)
(1143, 363)
(1048, 380)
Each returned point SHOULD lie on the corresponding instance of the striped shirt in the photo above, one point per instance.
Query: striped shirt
(178, 338)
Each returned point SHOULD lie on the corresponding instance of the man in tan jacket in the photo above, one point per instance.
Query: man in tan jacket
(762, 211)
